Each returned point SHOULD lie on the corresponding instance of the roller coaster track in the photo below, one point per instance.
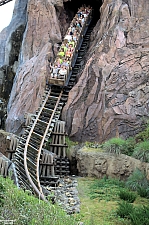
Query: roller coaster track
(29, 152)
(3, 2)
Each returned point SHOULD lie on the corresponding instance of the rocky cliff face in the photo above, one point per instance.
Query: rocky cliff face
(10, 44)
(45, 24)
(111, 96)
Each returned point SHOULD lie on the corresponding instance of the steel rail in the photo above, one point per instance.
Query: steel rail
(46, 131)
(38, 191)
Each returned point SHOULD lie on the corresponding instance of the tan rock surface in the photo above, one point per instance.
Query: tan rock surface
(98, 164)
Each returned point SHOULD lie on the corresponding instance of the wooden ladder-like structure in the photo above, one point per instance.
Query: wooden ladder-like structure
(34, 166)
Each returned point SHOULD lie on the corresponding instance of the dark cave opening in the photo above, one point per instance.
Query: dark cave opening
(72, 6)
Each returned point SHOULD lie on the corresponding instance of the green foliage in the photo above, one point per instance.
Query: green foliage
(105, 189)
(137, 182)
(124, 209)
(48, 144)
(71, 147)
(92, 145)
(143, 192)
(70, 143)
(140, 216)
(128, 196)
(2, 192)
(25, 209)
(137, 179)
(137, 215)
(141, 151)
(130, 144)
(144, 135)
(114, 145)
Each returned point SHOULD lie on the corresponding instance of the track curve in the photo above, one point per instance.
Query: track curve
(30, 148)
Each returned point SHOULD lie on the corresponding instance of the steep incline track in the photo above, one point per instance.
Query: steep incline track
(35, 137)
(31, 145)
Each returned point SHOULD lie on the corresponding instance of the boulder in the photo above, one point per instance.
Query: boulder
(95, 163)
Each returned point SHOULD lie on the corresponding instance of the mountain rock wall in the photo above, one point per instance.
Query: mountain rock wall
(45, 24)
(111, 97)
(10, 43)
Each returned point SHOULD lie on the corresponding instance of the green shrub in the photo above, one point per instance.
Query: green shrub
(144, 135)
(130, 144)
(143, 192)
(128, 196)
(114, 145)
(25, 209)
(141, 151)
(124, 209)
(2, 192)
(140, 216)
(136, 180)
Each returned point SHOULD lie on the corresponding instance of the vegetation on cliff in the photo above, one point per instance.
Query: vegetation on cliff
(23, 208)
(103, 202)
(137, 147)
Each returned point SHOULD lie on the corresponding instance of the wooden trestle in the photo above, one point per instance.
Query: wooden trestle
(35, 166)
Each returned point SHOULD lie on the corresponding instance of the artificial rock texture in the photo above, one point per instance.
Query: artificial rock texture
(99, 164)
(45, 25)
(10, 43)
(111, 96)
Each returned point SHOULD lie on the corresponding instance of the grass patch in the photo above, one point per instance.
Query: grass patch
(100, 201)
(105, 189)
(91, 149)
(100, 209)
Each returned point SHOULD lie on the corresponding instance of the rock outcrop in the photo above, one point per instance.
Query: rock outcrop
(111, 96)
(46, 22)
(94, 163)
(10, 44)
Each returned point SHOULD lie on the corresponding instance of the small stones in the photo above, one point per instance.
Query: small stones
(66, 194)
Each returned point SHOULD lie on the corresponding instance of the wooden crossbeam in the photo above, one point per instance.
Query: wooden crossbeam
(3, 2)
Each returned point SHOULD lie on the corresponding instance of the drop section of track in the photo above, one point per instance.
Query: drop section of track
(28, 152)
(31, 145)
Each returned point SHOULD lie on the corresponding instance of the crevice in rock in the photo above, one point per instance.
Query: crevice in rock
(99, 86)
(16, 41)
(127, 2)
(72, 6)
(8, 72)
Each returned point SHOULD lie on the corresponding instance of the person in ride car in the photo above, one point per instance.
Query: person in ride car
(55, 70)
(62, 72)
